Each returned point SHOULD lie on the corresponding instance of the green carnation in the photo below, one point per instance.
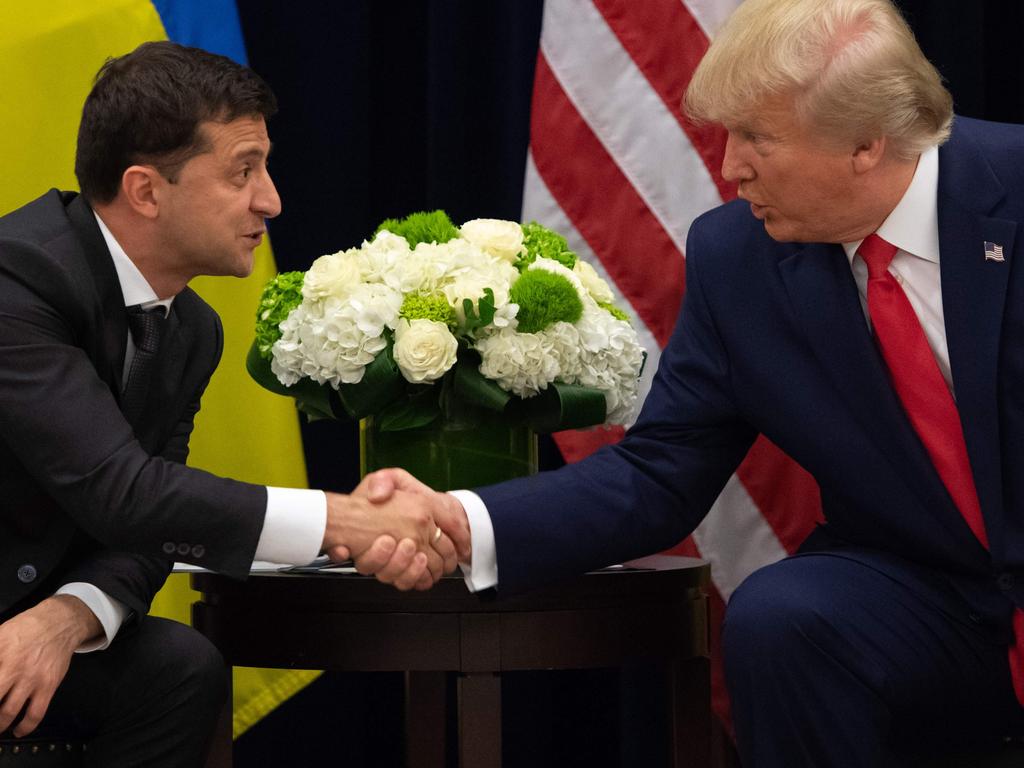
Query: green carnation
(280, 296)
(544, 298)
(614, 311)
(543, 242)
(427, 306)
(423, 227)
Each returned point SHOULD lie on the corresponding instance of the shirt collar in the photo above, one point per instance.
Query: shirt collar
(913, 225)
(134, 286)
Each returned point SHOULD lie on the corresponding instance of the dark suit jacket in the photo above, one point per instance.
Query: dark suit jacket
(772, 339)
(83, 496)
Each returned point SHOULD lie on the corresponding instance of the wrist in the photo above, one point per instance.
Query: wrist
(70, 620)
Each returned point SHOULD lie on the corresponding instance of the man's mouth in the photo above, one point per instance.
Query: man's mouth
(255, 237)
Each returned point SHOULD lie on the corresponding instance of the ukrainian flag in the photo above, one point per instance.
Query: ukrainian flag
(49, 53)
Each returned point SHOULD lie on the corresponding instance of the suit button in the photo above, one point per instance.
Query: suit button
(1005, 581)
(27, 573)
(184, 549)
(169, 548)
(198, 551)
(975, 618)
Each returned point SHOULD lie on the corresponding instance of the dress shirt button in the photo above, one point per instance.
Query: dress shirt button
(198, 551)
(170, 548)
(1005, 581)
(184, 549)
(27, 573)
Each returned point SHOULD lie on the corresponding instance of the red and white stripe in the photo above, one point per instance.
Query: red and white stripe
(616, 167)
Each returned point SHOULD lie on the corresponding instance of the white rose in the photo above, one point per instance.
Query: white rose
(501, 239)
(332, 275)
(424, 349)
(593, 282)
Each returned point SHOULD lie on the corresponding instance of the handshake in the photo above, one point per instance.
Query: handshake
(398, 529)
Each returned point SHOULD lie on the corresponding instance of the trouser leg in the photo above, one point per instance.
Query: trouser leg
(151, 699)
(832, 662)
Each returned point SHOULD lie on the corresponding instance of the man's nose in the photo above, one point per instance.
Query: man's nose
(734, 167)
(266, 202)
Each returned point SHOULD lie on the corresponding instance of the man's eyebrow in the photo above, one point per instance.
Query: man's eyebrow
(254, 152)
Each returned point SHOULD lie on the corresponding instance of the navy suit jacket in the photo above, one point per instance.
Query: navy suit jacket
(83, 495)
(772, 338)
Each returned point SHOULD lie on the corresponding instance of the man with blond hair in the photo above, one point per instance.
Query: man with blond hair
(862, 307)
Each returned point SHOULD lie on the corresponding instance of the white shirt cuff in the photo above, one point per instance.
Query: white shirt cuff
(110, 612)
(482, 572)
(293, 530)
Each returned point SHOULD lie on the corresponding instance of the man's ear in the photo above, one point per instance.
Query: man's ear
(868, 154)
(141, 185)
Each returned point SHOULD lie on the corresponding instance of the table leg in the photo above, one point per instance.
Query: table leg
(480, 721)
(425, 719)
(690, 713)
(220, 755)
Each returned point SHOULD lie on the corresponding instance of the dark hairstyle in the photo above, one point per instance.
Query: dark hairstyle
(146, 107)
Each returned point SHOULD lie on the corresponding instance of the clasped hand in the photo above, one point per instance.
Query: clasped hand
(398, 529)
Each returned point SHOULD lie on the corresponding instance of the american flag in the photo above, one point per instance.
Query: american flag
(993, 252)
(615, 166)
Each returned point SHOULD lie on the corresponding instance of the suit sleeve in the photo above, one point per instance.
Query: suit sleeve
(64, 426)
(649, 491)
(135, 579)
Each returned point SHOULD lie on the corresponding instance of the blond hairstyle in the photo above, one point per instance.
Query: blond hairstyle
(853, 68)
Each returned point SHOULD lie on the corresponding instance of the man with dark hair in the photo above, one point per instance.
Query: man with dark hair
(104, 354)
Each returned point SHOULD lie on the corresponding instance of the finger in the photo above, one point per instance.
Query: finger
(400, 562)
(446, 549)
(37, 707)
(379, 486)
(339, 554)
(452, 519)
(376, 556)
(435, 564)
(409, 578)
(425, 583)
(12, 705)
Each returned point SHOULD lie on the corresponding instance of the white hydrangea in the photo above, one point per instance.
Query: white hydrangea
(333, 340)
(380, 256)
(521, 363)
(610, 357)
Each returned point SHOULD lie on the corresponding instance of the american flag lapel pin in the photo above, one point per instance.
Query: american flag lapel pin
(993, 252)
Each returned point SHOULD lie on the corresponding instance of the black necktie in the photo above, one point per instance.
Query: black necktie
(147, 328)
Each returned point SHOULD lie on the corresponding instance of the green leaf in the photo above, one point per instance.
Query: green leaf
(415, 410)
(316, 401)
(484, 317)
(563, 406)
(382, 383)
(473, 387)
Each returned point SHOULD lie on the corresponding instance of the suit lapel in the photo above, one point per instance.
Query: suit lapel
(824, 296)
(973, 299)
(113, 319)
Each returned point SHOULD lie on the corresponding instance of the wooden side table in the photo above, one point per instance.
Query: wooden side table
(649, 610)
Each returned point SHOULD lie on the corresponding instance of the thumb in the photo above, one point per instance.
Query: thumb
(380, 486)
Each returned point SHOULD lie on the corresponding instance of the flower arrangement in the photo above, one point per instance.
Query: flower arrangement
(427, 318)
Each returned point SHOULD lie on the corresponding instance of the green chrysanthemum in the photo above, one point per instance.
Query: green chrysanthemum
(544, 298)
(423, 227)
(543, 242)
(614, 311)
(280, 296)
(427, 306)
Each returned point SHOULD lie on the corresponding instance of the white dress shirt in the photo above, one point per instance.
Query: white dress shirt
(296, 518)
(913, 227)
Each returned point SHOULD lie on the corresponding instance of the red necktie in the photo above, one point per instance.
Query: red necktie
(928, 403)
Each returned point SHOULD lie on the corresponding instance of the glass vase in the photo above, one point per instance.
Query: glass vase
(450, 454)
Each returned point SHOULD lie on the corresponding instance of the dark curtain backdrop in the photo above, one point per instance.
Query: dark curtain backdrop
(393, 106)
